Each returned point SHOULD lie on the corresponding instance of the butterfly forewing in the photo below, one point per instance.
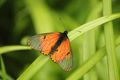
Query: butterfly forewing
(44, 42)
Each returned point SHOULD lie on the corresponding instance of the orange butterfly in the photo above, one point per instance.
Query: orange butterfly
(56, 44)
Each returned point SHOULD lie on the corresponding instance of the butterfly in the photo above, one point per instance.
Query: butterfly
(56, 45)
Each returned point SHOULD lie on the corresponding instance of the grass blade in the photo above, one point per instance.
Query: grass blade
(110, 44)
(4, 75)
(33, 68)
(91, 25)
(6, 49)
(89, 45)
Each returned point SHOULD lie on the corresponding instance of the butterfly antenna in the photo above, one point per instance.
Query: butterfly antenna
(62, 23)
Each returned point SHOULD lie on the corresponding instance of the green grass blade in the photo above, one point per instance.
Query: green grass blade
(8, 77)
(6, 49)
(33, 68)
(113, 70)
(91, 25)
(89, 45)
(90, 63)
(4, 75)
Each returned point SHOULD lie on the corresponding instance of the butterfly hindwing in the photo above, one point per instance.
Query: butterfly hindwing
(63, 55)
(66, 63)
(44, 42)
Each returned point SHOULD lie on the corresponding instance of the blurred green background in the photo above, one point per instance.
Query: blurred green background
(20, 19)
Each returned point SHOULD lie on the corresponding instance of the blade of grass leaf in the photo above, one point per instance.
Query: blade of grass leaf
(113, 70)
(33, 68)
(6, 49)
(8, 77)
(90, 63)
(4, 75)
(91, 25)
(89, 39)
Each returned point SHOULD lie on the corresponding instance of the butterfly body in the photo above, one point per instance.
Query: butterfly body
(62, 37)
(56, 45)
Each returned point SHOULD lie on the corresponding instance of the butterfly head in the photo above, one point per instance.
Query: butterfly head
(65, 32)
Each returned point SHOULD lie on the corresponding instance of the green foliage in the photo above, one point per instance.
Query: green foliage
(82, 18)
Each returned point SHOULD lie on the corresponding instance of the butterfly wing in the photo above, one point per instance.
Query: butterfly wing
(44, 42)
(63, 55)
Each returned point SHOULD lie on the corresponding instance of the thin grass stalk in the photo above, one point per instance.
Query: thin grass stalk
(110, 44)
(89, 41)
(3, 70)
